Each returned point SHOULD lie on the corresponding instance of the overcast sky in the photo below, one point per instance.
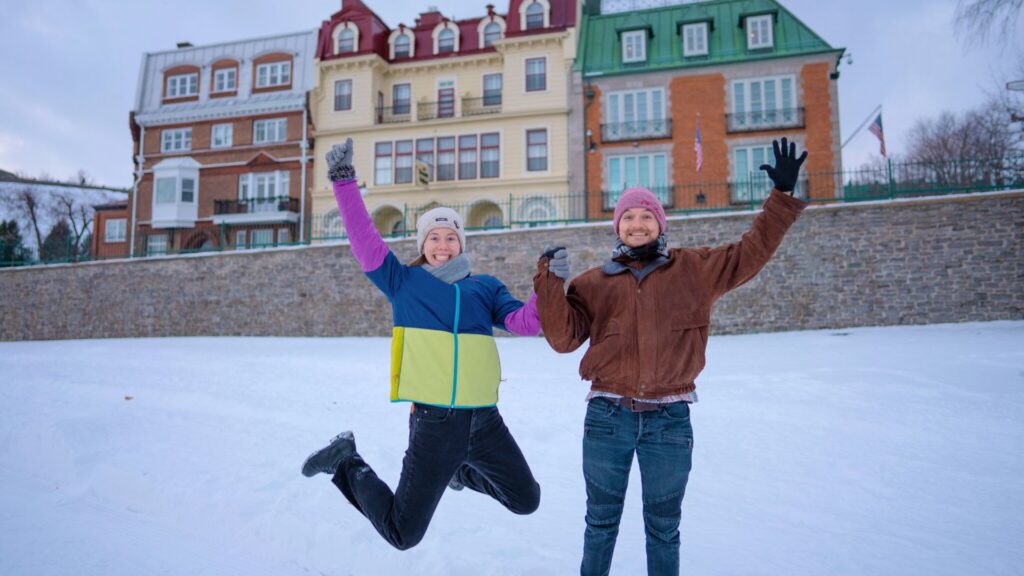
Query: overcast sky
(69, 68)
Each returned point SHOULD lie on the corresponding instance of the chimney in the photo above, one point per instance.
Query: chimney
(184, 44)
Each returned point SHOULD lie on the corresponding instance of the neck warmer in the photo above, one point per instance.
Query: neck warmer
(451, 271)
(641, 253)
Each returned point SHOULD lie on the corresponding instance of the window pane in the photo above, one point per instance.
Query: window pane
(165, 190)
(425, 154)
(188, 190)
(467, 157)
(446, 158)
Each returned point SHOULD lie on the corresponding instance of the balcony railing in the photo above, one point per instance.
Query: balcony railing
(489, 104)
(640, 130)
(433, 110)
(667, 195)
(765, 120)
(256, 205)
(394, 114)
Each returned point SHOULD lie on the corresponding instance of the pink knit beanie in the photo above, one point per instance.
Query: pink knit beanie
(639, 198)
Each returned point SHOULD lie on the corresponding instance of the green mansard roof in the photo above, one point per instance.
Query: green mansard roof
(600, 48)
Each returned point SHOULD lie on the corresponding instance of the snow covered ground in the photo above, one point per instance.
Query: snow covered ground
(874, 451)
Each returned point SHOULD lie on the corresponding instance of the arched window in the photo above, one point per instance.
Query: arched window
(534, 16)
(346, 41)
(492, 32)
(402, 45)
(446, 41)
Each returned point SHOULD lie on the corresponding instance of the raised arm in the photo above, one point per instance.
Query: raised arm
(564, 317)
(367, 245)
(524, 321)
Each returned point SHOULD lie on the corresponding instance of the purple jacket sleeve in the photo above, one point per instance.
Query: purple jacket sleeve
(525, 321)
(367, 245)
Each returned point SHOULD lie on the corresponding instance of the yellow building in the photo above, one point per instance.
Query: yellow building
(471, 114)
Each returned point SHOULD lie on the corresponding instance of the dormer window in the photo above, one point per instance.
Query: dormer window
(402, 46)
(346, 41)
(446, 41)
(634, 46)
(183, 85)
(759, 32)
(695, 39)
(534, 16)
(492, 32)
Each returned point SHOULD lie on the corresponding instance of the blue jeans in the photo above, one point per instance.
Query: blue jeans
(663, 442)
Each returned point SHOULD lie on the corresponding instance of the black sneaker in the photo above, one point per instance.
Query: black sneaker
(327, 459)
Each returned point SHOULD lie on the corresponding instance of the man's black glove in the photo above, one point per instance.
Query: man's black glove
(339, 162)
(558, 261)
(787, 166)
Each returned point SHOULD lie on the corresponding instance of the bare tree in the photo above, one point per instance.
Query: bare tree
(27, 205)
(78, 215)
(974, 19)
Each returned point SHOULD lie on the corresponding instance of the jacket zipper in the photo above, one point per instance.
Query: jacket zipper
(455, 336)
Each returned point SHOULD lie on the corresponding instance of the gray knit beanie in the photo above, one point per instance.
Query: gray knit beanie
(440, 217)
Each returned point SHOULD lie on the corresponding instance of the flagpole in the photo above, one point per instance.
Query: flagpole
(700, 173)
(862, 125)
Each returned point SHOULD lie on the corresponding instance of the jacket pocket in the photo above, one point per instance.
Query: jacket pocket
(604, 357)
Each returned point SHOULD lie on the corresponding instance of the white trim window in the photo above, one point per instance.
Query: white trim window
(536, 74)
(534, 15)
(750, 183)
(115, 230)
(759, 32)
(635, 114)
(156, 245)
(342, 95)
(176, 140)
(183, 85)
(188, 190)
(492, 33)
(225, 80)
(383, 163)
(263, 191)
(647, 170)
(346, 41)
(695, 39)
(764, 102)
(537, 150)
(269, 130)
(634, 46)
(403, 46)
(273, 74)
(262, 237)
(446, 41)
(166, 190)
(221, 135)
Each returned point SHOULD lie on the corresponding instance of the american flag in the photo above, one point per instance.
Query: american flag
(876, 129)
(698, 148)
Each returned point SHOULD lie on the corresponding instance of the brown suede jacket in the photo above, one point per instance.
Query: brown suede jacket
(648, 336)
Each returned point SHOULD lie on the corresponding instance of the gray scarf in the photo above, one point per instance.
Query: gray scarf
(642, 253)
(451, 271)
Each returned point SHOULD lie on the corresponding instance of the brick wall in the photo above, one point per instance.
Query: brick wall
(921, 261)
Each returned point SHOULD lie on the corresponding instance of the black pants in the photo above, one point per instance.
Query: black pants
(471, 444)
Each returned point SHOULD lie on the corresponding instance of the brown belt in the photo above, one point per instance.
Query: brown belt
(634, 404)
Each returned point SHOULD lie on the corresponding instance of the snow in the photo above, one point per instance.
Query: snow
(862, 451)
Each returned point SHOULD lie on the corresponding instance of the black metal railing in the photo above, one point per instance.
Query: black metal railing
(434, 110)
(394, 114)
(489, 104)
(640, 130)
(765, 120)
(667, 195)
(256, 205)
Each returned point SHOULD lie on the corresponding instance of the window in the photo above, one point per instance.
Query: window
(273, 130)
(534, 16)
(225, 80)
(283, 236)
(262, 237)
(156, 245)
(492, 32)
(115, 229)
(634, 46)
(536, 150)
(445, 41)
(492, 89)
(446, 158)
(221, 136)
(467, 157)
(751, 183)
(402, 46)
(263, 191)
(425, 154)
(403, 162)
(446, 99)
(759, 32)
(536, 74)
(490, 155)
(183, 85)
(695, 39)
(647, 170)
(342, 95)
(273, 74)
(188, 190)
(176, 140)
(635, 114)
(382, 164)
(764, 102)
(401, 95)
(240, 239)
(347, 41)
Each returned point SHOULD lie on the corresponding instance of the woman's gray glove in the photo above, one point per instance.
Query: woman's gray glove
(558, 261)
(787, 166)
(339, 162)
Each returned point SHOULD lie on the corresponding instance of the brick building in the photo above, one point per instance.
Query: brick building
(744, 72)
(222, 145)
